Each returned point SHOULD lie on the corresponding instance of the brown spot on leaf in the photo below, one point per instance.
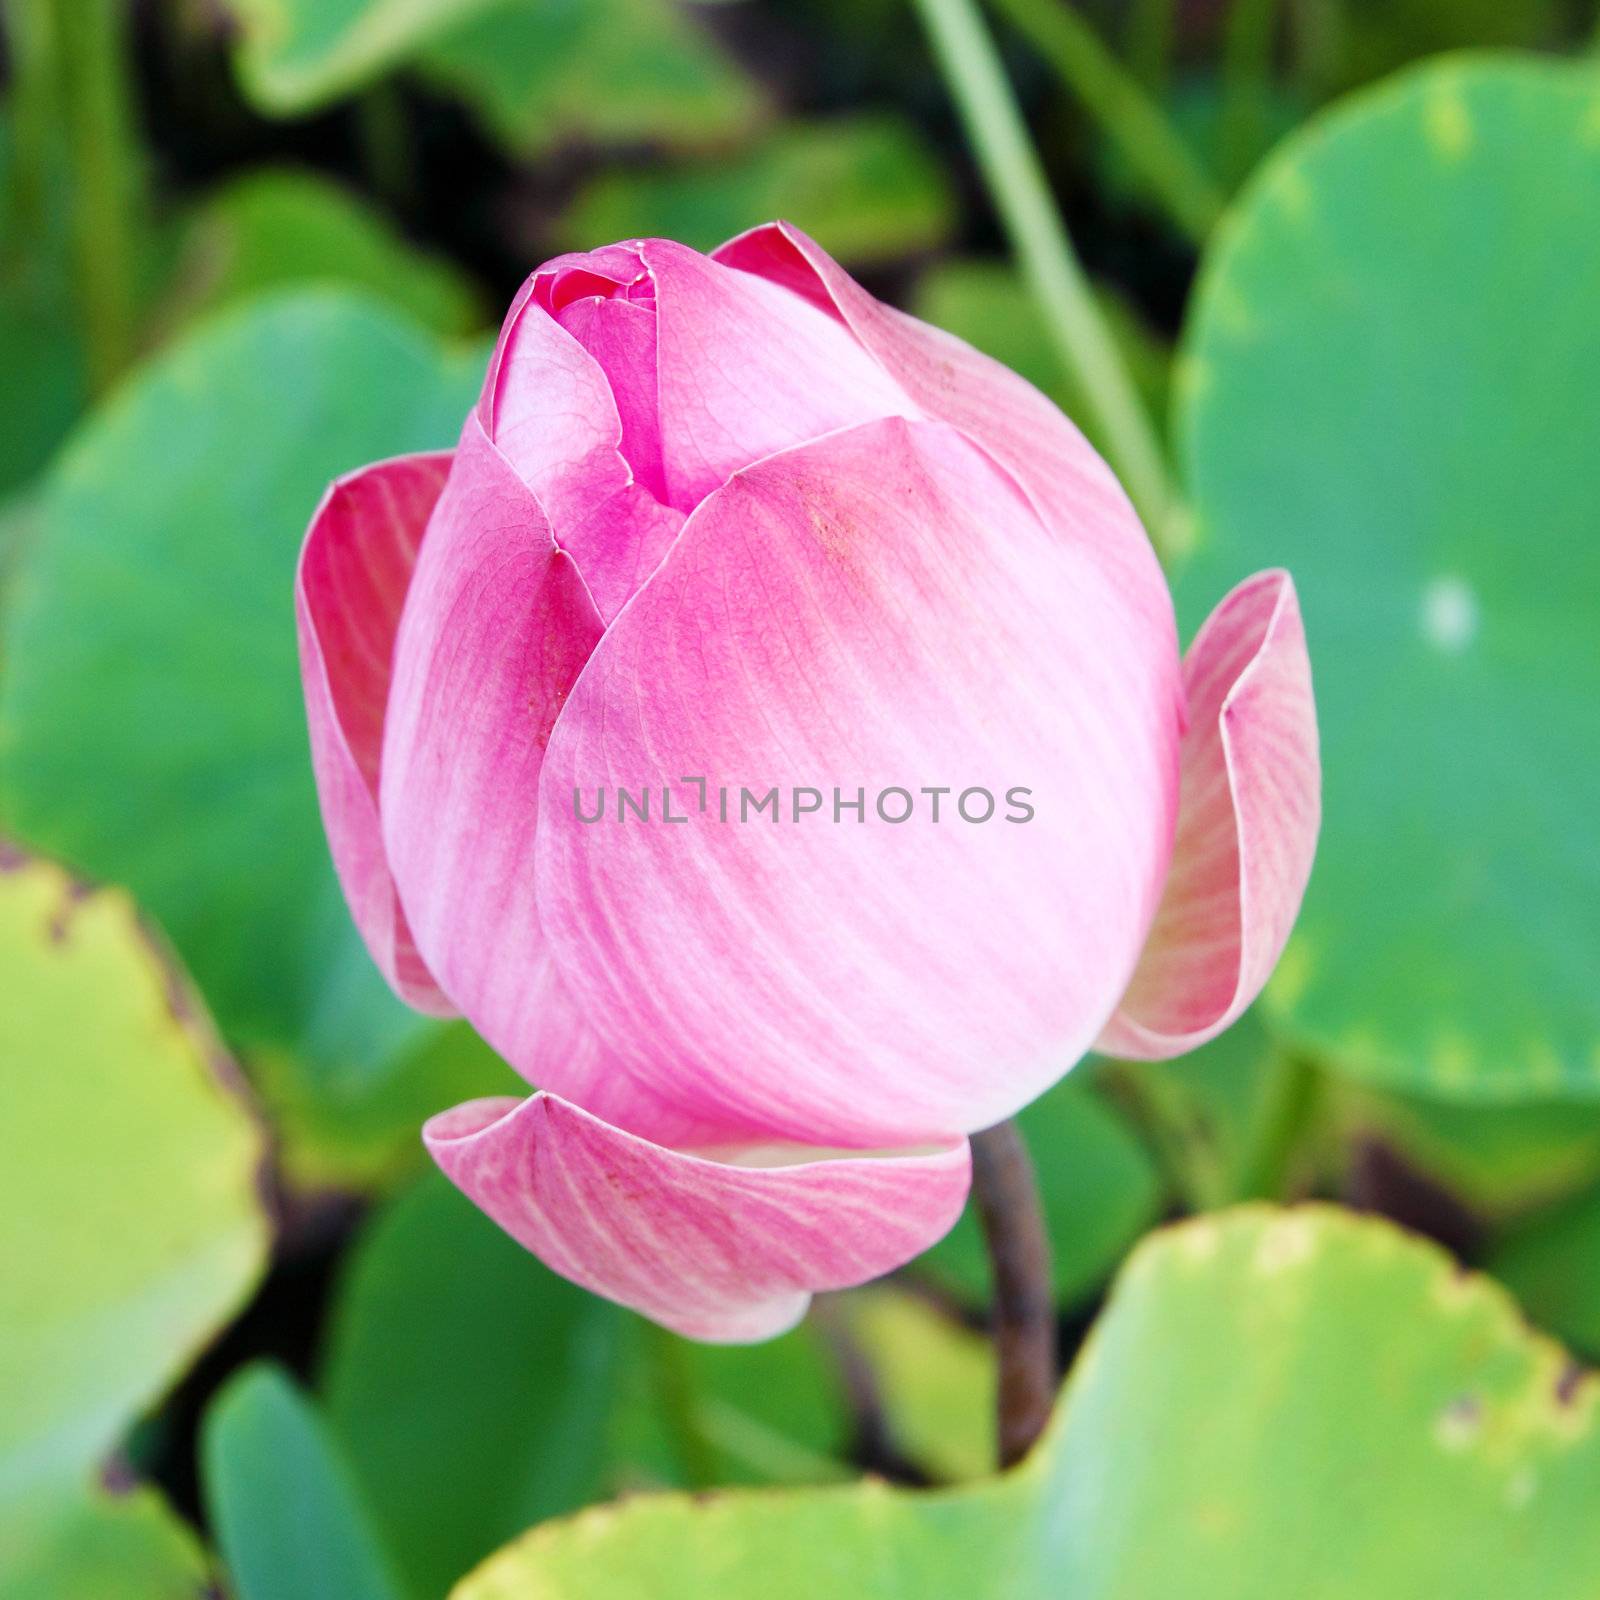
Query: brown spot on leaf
(1569, 1382)
(187, 1010)
(117, 1475)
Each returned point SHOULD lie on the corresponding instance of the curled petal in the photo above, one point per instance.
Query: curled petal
(1247, 826)
(620, 335)
(877, 611)
(725, 1246)
(497, 625)
(747, 369)
(943, 377)
(355, 569)
(558, 421)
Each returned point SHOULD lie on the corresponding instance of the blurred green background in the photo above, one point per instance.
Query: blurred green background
(1345, 258)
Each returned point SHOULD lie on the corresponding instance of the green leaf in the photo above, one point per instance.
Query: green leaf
(274, 228)
(151, 725)
(288, 1518)
(865, 187)
(762, 1413)
(541, 73)
(122, 1544)
(129, 1222)
(470, 1387)
(474, 1392)
(1275, 1403)
(17, 517)
(1548, 1262)
(1097, 1185)
(296, 55)
(362, 1130)
(1401, 416)
(1196, 105)
(44, 381)
(988, 304)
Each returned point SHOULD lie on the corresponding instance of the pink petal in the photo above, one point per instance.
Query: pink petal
(553, 416)
(620, 335)
(1247, 826)
(879, 608)
(746, 369)
(947, 379)
(355, 568)
(496, 627)
(725, 1246)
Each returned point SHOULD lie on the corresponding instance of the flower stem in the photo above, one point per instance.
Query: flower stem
(1246, 71)
(1116, 100)
(75, 130)
(1149, 42)
(1024, 1308)
(1287, 1112)
(674, 1393)
(1021, 196)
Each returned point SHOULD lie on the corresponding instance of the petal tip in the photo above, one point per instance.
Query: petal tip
(1249, 814)
(719, 1250)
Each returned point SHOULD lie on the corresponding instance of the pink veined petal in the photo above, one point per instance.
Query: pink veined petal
(620, 335)
(613, 269)
(725, 1246)
(554, 417)
(945, 378)
(877, 609)
(355, 568)
(497, 625)
(1247, 826)
(561, 280)
(745, 369)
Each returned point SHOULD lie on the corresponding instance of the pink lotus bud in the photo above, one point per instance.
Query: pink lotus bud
(768, 729)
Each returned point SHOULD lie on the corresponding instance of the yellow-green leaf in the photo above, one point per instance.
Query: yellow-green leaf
(1275, 1403)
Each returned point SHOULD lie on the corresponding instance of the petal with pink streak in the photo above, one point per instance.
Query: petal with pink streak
(746, 368)
(554, 417)
(496, 627)
(1248, 816)
(880, 608)
(355, 568)
(945, 378)
(620, 335)
(725, 1246)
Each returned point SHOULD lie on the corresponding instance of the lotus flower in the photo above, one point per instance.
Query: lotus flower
(726, 525)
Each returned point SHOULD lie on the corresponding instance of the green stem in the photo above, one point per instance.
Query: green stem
(1130, 118)
(1073, 321)
(105, 180)
(1255, 1161)
(1246, 68)
(1150, 42)
(31, 113)
(1279, 1130)
(1159, 1109)
(675, 1394)
(385, 136)
(74, 115)
(1315, 29)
